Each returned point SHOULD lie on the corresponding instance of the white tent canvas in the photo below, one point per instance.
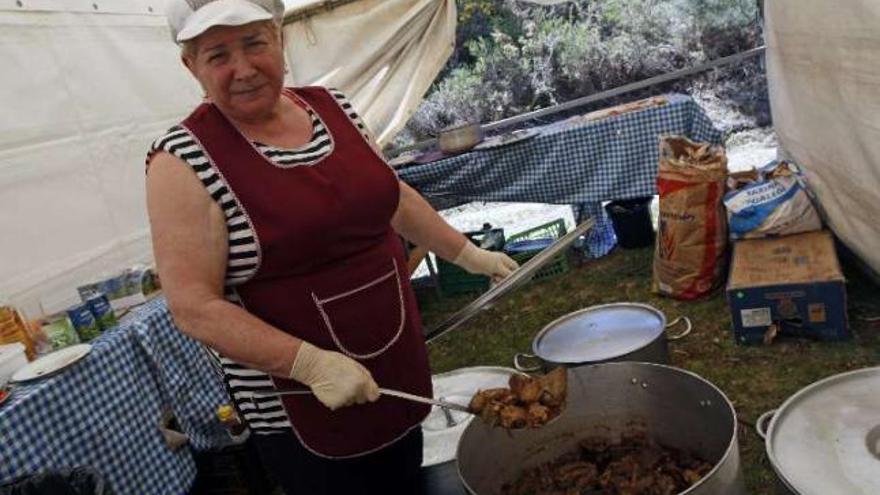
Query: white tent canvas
(383, 53)
(86, 90)
(823, 66)
(84, 93)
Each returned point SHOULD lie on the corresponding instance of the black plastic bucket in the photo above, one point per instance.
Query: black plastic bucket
(632, 222)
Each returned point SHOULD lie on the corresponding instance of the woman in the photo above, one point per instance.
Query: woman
(275, 227)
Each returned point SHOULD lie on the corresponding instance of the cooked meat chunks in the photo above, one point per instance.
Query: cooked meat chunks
(634, 465)
(530, 402)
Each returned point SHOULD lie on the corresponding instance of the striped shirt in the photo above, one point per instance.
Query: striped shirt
(262, 415)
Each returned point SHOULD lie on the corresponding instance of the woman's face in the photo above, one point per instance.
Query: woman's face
(241, 68)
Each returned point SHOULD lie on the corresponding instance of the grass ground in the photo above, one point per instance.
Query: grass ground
(755, 379)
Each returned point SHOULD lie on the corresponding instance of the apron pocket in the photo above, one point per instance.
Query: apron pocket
(366, 320)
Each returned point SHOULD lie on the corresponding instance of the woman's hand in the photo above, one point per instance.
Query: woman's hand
(493, 264)
(335, 379)
(417, 221)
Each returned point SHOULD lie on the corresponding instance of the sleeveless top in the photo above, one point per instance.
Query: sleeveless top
(241, 381)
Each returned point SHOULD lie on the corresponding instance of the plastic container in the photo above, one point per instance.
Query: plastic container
(631, 219)
(12, 357)
(525, 245)
(59, 331)
(99, 305)
(84, 322)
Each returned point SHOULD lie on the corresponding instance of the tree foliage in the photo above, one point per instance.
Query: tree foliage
(513, 57)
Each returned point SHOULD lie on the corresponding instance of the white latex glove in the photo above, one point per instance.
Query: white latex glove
(335, 379)
(493, 264)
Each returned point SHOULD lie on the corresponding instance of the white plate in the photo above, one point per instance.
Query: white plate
(51, 363)
(441, 438)
(505, 139)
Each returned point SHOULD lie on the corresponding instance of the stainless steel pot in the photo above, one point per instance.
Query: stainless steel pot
(675, 407)
(458, 139)
(598, 334)
(825, 439)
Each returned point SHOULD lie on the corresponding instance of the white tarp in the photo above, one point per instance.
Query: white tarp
(823, 66)
(384, 54)
(88, 85)
(84, 93)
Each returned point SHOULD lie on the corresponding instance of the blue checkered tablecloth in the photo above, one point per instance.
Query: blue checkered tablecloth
(188, 382)
(581, 164)
(104, 411)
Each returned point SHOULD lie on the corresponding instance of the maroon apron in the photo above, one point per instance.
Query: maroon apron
(331, 270)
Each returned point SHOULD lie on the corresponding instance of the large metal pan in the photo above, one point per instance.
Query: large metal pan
(675, 407)
(825, 439)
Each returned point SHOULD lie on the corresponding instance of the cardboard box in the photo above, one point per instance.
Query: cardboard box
(793, 282)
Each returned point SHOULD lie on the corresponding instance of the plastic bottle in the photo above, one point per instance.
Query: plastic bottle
(227, 417)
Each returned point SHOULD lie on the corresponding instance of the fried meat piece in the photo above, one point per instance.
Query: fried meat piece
(484, 397)
(538, 414)
(634, 464)
(555, 386)
(526, 388)
(528, 402)
(513, 417)
(577, 474)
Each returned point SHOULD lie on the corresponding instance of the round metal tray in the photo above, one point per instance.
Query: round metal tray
(599, 333)
(826, 438)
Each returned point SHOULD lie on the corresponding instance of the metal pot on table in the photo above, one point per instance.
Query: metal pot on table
(825, 439)
(604, 333)
(460, 138)
(674, 407)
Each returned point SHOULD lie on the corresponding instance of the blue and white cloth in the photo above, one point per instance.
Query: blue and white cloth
(105, 410)
(582, 164)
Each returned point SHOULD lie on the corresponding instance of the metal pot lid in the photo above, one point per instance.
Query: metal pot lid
(442, 435)
(599, 333)
(826, 438)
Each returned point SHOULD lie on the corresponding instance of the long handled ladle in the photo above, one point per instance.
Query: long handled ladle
(384, 391)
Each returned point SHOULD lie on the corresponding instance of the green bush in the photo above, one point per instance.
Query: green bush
(514, 57)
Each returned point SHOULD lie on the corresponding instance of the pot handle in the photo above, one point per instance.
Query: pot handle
(525, 369)
(760, 426)
(684, 333)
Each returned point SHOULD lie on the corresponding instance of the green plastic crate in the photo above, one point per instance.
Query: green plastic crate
(552, 230)
(456, 280)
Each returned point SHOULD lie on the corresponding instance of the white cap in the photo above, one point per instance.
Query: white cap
(190, 18)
